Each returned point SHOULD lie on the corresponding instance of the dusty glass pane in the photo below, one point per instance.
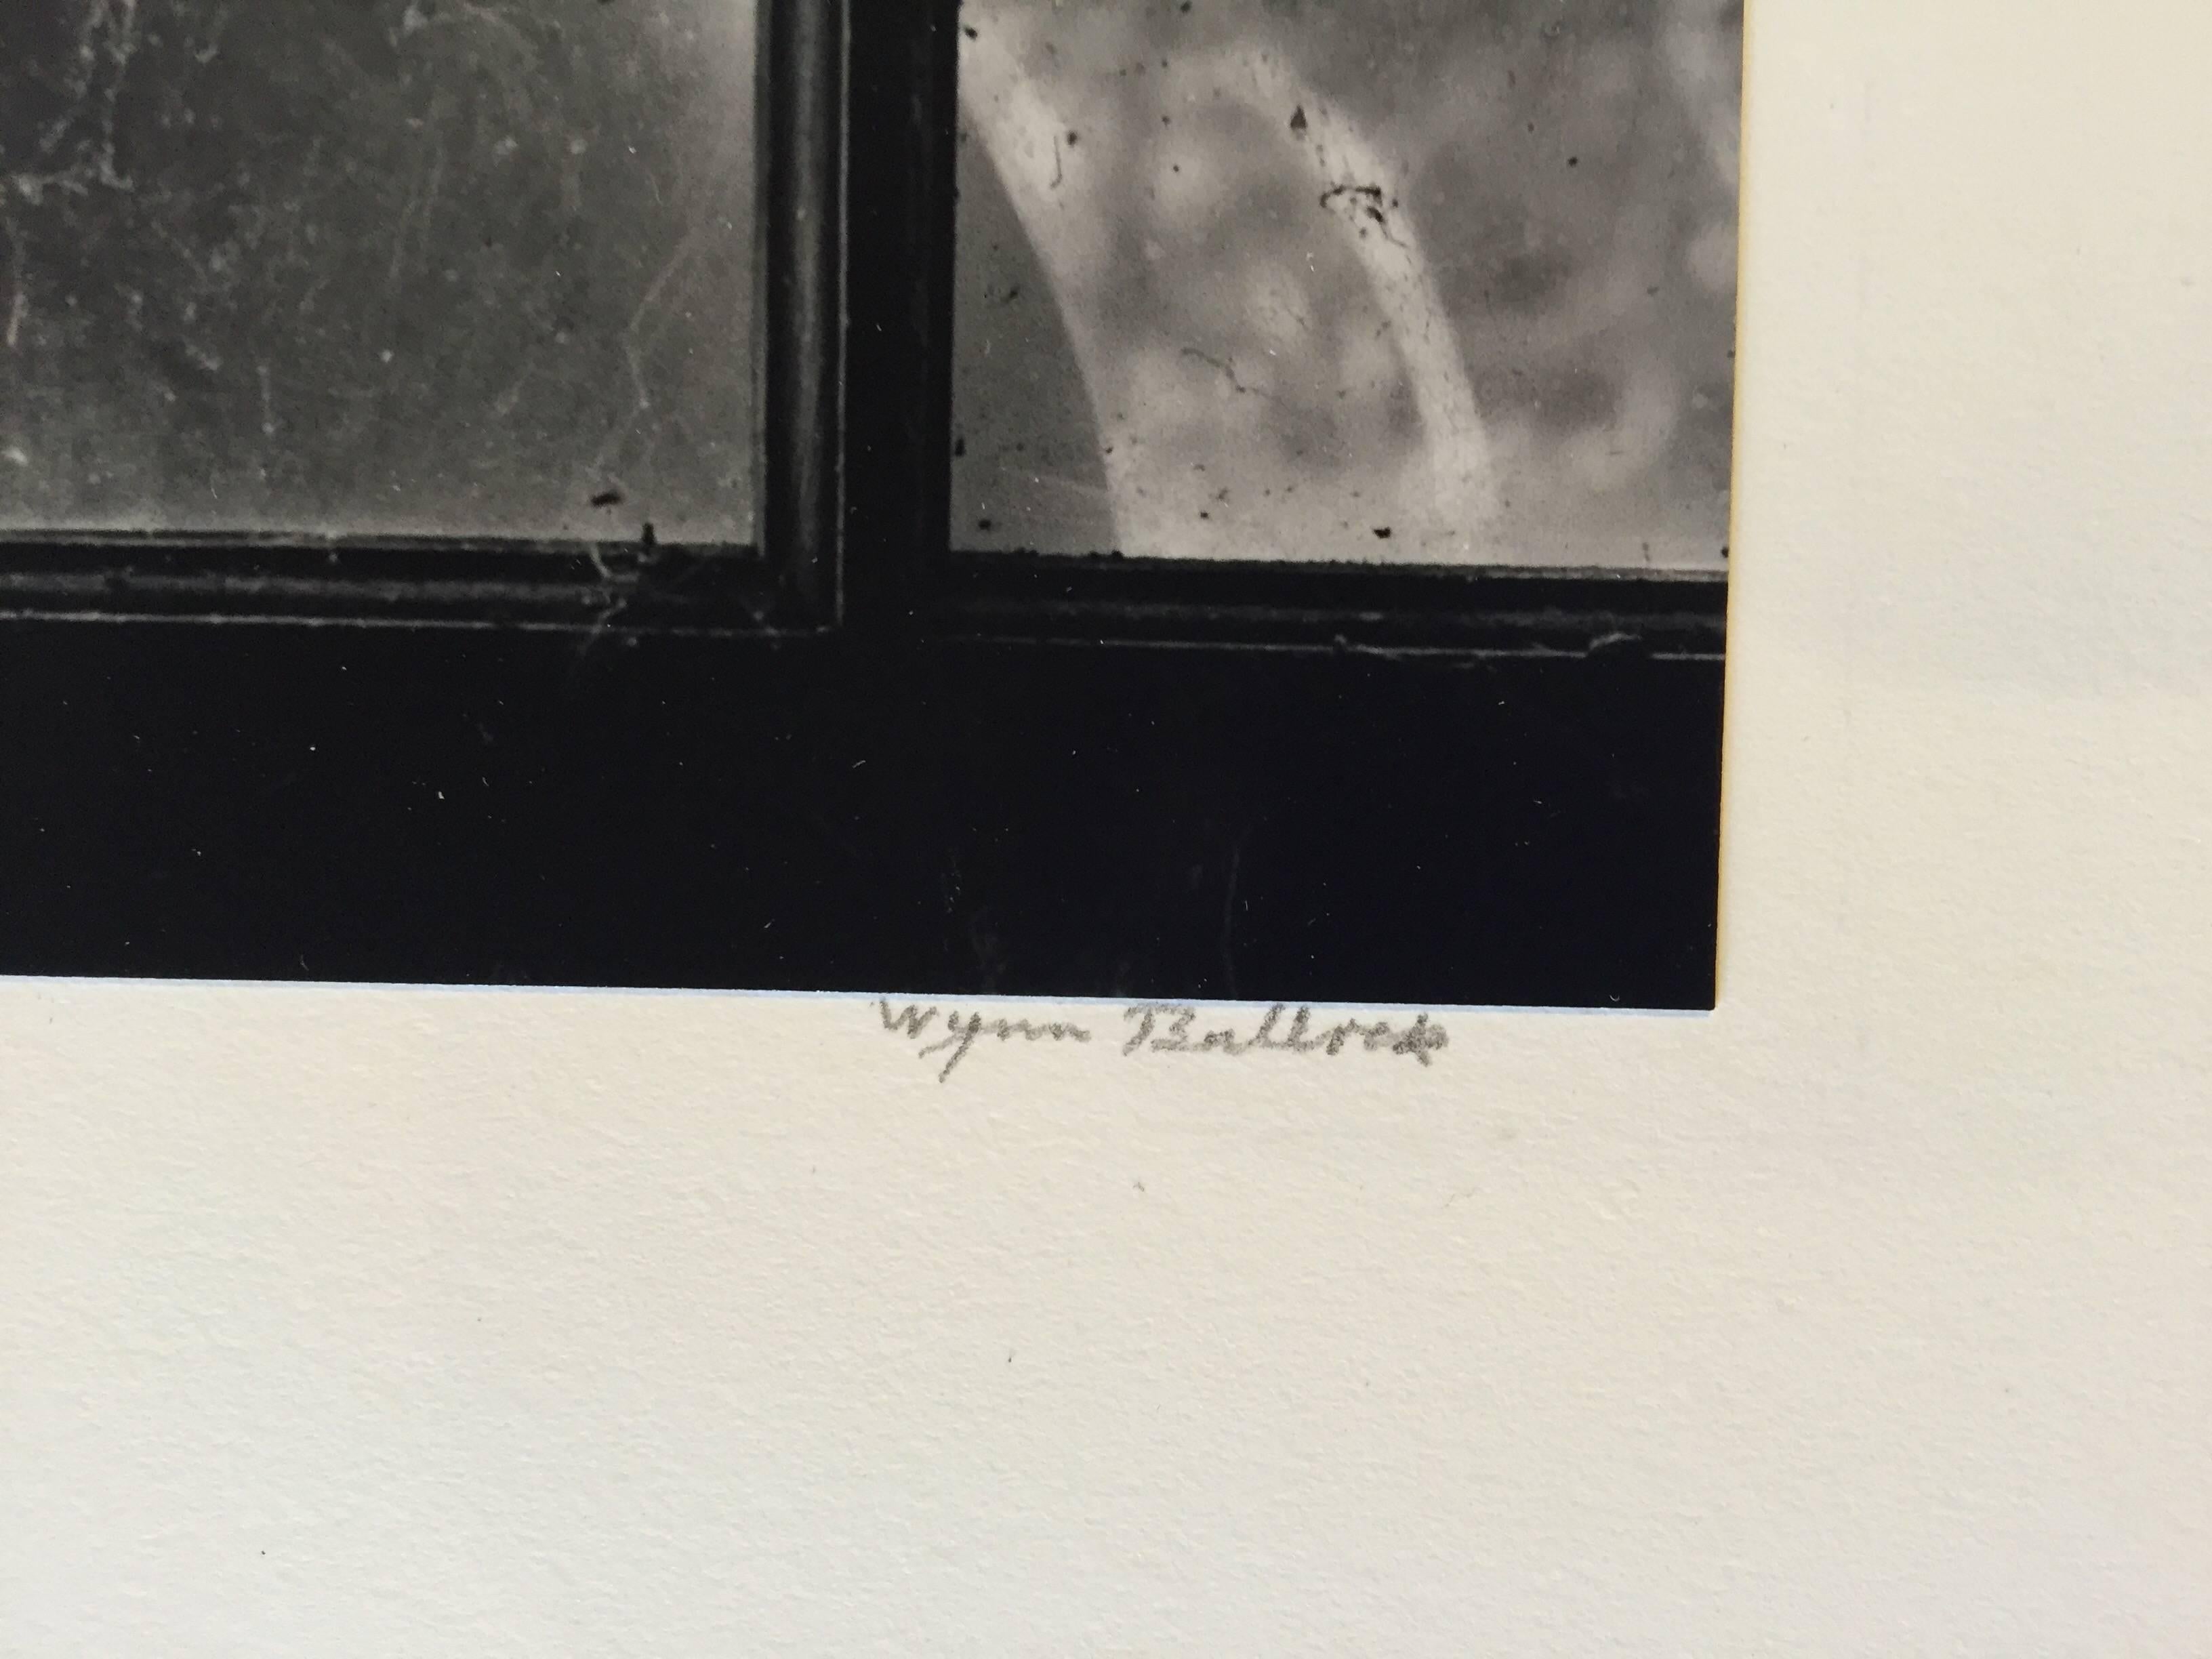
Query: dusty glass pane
(449, 267)
(1450, 280)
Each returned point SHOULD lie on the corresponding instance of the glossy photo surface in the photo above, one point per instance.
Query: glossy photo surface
(454, 268)
(1429, 281)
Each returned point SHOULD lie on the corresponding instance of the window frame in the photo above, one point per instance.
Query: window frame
(783, 582)
(858, 140)
(856, 758)
(903, 565)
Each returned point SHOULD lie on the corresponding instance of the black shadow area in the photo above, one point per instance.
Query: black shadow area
(940, 817)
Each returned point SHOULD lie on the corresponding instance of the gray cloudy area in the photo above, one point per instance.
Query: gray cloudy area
(1440, 280)
(446, 267)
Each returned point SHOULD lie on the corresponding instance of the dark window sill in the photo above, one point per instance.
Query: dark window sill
(398, 583)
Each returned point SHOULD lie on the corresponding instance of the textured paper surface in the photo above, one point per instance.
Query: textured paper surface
(1872, 1315)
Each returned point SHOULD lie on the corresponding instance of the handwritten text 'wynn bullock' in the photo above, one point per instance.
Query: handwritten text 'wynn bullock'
(1168, 1028)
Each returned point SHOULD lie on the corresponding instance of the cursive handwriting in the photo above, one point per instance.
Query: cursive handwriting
(961, 1034)
(1421, 1040)
(1166, 1028)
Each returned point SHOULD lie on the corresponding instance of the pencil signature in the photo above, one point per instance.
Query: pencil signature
(1166, 1028)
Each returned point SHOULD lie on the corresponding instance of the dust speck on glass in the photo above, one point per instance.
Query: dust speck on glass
(441, 267)
(1434, 281)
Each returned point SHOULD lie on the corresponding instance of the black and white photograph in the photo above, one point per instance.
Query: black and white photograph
(1214, 500)
(1233, 828)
